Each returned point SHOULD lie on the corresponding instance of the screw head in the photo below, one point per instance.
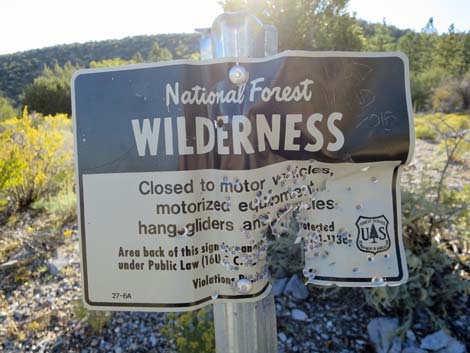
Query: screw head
(238, 75)
(244, 285)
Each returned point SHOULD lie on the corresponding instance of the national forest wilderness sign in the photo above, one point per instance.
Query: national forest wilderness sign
(185, 177)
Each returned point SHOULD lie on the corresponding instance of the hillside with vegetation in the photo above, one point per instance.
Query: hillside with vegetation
(439, 62)
(20, 69)
(40, 291)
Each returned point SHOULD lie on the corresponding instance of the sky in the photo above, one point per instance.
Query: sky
(31, 24)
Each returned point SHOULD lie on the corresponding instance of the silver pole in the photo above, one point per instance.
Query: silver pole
(247, 327)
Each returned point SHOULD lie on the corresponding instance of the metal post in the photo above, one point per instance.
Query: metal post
(247, 327)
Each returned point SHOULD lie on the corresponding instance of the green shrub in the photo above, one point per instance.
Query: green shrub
(192, 331)
(96, 320)
(456, 143)
(286, 258)
(446, 98)
(50, 92)
(436, 222)
(35, 157)
(158, 53)
(8, 246)
(61, 206)
(461, 148)
(436, 126)
(452, 95)
(6, 108)
(423, 85)
(425, 131)
(433, 284)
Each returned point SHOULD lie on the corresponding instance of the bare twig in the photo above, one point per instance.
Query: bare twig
(450, 152)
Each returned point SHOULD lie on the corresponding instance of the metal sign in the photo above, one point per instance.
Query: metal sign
(187, 169)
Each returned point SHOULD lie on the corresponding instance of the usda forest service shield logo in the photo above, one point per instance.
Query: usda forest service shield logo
(372, 234)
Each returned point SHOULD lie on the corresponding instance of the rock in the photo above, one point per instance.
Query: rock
(18, 315)
(279, 285)
(436, 341)
(454, 346)
(337, 341)
(56, 264)
(443, 343)
(8, 264)
(381, 332)
(153, 340)
(117, 349)
(296, 289)
(410, 339)
(299, 315)
(413, 350)
(282, 336)
(57, 345)
(21, 255)
(53, 269)
(396, 345)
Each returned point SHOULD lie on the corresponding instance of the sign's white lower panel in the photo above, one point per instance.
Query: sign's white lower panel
(180, 240)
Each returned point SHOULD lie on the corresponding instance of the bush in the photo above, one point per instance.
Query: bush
(6, 108)
(432, 126)
(61, 206)
(96, 320)
(446, 98)
(8, 246)
(35, 157)
(286, 258)
(453, 95)
(424, 130)
(423, 85)
(433, 285)
(50, 92)
(436, 222)
(192, 331)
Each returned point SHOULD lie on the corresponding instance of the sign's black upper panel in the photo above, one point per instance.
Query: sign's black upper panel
(367, 95)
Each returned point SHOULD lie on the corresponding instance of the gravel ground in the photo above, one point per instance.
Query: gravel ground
(427, 158)
(41, 315)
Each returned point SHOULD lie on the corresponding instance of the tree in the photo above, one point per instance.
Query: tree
(182, 51)
(429, 27)
(159, 54)
(450, 51)
(110, 62)
(6, 108)
(307, 25)
(381, 40)
(50, 92)
(466, 52)
(336, 29)
(137, 58)
(412, 44)
(20, 69)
